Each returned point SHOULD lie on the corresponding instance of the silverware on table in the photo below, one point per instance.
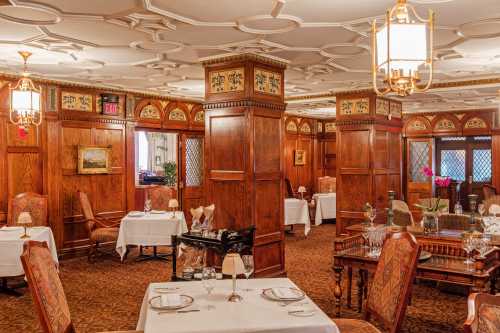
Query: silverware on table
(177, 311)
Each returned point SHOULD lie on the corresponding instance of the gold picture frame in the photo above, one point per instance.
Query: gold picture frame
(94, 160)
(300, 157)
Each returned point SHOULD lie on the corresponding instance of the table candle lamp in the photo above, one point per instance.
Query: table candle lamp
(233, 265)
(301, 190)
(173, 204)
(24, 219)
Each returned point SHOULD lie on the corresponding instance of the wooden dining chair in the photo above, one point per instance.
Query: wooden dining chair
(483, 313)
(390, 290)
(160, 196)
(290, 193)
(489, 191)
(47, 290)
(33, 203)
(100, 230)
(402, 218)
(454, 222)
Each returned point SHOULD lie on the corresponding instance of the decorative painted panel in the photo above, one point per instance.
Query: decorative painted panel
(291, 127)
(130, 106)
(444, 124)
(150, 112)
(330, 128)
(475, 123)
(177, 114)
(76, 102)
(51, 99)
(351, 107)
(267, 82)
(194, 161)
(320, 126)
(199, 117)
(305, 128)
(396, 109)
(227, 80)
(382, 107)
(417, 125)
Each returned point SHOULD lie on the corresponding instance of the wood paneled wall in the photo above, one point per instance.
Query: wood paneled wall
(309, 135)
(46, 160)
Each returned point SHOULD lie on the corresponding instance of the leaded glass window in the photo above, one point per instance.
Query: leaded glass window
(194, 161)
(453, 164)
(481, 165)
(419, 158)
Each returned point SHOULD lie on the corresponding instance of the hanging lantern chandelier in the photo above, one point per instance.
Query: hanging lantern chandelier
(25, 102)
(400, 48)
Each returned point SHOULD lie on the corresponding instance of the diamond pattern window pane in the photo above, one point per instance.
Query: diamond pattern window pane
(481, 165)
(453, 164)
(194, 161)
(419, 158)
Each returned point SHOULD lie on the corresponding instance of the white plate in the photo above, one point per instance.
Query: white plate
(155, 303)
(158, 212)
(136, 214)
(268, 293)
(166, 290)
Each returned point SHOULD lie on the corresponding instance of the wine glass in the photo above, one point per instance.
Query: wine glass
(249, 267)
(208, 279)
(147, 206)
(468, 245)
(372, 213)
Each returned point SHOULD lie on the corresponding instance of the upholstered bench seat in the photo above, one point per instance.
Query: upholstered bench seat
(102, 235)
(355, 326)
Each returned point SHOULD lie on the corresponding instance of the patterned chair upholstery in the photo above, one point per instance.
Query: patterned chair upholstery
(46, 289)
(484, 314)
(33, 203)
(402, 218)
(159, 196)
(327, 184)
(100, 230)
(391, 286)
(489, 191)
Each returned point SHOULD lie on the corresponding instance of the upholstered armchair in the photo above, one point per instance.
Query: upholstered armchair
(159, 196)
(100, 230)
(33, 203)
(390, 288)
(47, 290)
(489, 191)
(484, 314)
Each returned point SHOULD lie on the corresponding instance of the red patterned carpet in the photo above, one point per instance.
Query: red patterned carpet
(107, 295)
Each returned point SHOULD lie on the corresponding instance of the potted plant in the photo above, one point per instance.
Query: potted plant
(170, 168)
(430, 220)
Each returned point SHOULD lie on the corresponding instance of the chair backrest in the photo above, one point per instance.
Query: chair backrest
(431, 202)
(33, 203)
(393, 279)
(327, 184)
(289, 189)
(159, 196)
(489, 191)
(494, 200)
(87, 211)
(402, 218)
(483, 314)
(454, 222)
(46, 288)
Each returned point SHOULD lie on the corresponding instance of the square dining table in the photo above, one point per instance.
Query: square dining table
(150, 230)
(253, 314)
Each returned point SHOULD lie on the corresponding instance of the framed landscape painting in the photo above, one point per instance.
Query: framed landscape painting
(94, 160)
(300, 157)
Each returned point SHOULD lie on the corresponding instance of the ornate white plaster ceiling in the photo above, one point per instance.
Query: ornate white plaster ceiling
(156, 45)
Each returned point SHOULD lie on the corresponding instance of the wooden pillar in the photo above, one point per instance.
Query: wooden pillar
(369, 155)
(243, 151)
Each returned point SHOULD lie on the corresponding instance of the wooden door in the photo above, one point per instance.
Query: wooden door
(191, 180)
(418, 155)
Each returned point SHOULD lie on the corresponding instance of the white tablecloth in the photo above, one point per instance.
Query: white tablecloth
(491, 225)
(326, 206)
(11, 247)
(297, 212)
(252, 314)
(149, 230)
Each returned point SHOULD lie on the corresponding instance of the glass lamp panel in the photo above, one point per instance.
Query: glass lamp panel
(35, 101)
(21, 100)
(408, 46)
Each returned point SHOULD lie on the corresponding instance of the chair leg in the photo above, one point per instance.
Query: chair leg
(92, 250)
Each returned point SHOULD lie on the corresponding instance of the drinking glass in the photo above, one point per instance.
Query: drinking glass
(249, 267)
(468, 246)
(484, 244)
(372, 213)
(208, 279)
(364, 233)
(147, 206)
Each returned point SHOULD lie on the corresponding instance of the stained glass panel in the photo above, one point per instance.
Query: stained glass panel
(453, 164)
(481, 165)
(194, 161)
(419, 158)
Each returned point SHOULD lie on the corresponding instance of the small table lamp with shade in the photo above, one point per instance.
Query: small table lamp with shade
(302, 190)
(24, 220)
(233, 265)
(173, 204)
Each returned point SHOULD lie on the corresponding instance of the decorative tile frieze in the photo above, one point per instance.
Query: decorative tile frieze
(417, 125)
(227, 80)
(267, 82)
(382, 107)
(351, 107)
(444, 124)
(76, 102)
(475, 122)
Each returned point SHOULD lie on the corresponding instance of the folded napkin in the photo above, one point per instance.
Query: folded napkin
(170, 300)
(283, 293)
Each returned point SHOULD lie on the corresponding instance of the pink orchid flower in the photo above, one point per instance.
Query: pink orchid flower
(427, 171)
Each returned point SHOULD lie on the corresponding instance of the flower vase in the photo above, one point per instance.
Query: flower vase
(430, 222)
